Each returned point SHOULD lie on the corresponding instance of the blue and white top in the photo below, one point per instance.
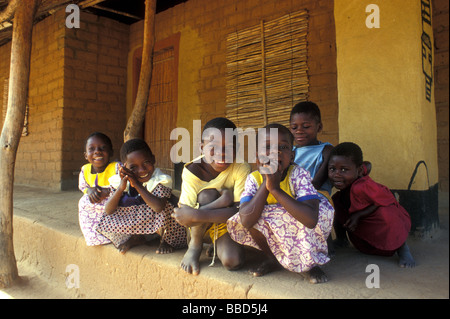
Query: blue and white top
(310, 158)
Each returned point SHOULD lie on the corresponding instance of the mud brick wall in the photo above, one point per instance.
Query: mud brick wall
(38, 159)
(77, 86)
(95, 88)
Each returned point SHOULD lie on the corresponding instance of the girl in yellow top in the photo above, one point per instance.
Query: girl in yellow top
(93, 182)
(210, 194)
(281, 212)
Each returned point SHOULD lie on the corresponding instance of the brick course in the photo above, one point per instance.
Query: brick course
(95, 91)
(77, 86)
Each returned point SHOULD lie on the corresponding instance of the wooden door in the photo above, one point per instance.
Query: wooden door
(161, 113)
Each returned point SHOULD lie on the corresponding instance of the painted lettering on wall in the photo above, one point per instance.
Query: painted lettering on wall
(427, 47)
(72, 276)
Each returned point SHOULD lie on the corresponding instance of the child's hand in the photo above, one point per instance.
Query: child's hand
(125, 172)
(352, 222)
(271, 176)
(123, 183)
(273, 181)
(97, 194)
(184, 215)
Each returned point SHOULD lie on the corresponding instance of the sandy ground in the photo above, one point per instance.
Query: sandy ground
(429, 280)
(31, 286)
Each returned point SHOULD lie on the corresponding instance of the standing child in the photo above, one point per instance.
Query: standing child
(281, 212)
(139, 204)
(205, 199)
(367, 211)
(310, 153)
(93, 182)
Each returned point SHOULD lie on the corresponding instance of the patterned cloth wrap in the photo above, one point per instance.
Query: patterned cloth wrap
(296, 247)
(134, 217)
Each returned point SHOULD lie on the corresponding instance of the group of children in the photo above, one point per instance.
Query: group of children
(284, 210)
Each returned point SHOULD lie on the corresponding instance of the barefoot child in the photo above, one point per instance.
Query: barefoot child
(139, 203)
(367, 211)
(93, 182)
(281, 212)
(213, 173)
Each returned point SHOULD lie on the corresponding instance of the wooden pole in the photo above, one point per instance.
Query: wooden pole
(12, 130)
(134, 128)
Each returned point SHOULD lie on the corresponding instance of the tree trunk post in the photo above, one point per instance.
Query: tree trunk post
(12, 130)
(134, 128)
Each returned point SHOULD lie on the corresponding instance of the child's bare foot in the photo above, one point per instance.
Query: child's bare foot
(191, 260)
(406, 259)
(267, 266)
(134, 240)
(164, 248)
(315, 275)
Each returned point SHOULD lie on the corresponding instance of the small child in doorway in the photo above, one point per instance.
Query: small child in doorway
(365, 210)
(93, 181)
(281, 212)
(139, 204)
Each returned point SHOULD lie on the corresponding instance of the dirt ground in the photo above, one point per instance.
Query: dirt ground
(428, 280)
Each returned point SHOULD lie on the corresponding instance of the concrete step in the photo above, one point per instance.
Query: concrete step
(48, 240)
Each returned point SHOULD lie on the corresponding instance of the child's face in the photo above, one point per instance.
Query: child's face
(277, 148)
(97, 153)
(141, 164)
(216, 148)
(342, 171)
(305, 128)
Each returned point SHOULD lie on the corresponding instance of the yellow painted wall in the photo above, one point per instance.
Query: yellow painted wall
(381, 88)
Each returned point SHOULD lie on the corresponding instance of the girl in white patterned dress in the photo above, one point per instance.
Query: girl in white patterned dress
(139, 204)
(281, 212)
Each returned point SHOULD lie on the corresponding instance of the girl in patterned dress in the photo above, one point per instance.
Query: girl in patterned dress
(281, 212)
(139, 204)
(93, 181)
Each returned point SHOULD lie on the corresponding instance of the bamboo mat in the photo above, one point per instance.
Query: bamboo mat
(267, 70)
